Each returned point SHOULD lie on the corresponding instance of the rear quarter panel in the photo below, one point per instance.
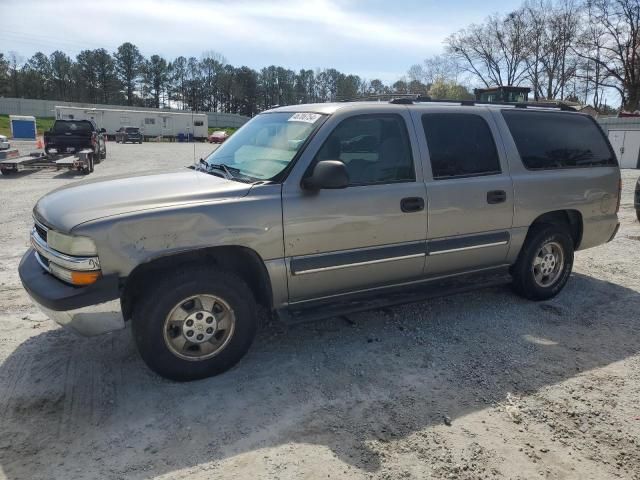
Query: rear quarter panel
(591, 191)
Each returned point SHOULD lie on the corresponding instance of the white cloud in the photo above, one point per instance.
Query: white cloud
(354, 36)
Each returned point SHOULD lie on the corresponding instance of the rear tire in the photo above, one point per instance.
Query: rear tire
(638, 214)
(166, 341)
(6, 171)
(545, 262)
(96, 155)
(89, 168)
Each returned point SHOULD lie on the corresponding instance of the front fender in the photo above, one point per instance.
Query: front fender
(127, 240)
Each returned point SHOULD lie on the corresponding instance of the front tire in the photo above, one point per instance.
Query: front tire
(545, 262)
(194, 323)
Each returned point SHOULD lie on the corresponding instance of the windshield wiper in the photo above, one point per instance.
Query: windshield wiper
(232, 173)
(224, 168)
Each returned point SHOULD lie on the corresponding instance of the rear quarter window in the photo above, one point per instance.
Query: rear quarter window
(550, 140)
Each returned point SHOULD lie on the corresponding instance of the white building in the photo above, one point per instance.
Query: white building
(624, 135)
(154, 123)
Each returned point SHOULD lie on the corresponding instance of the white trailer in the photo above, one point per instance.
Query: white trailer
(154, 123)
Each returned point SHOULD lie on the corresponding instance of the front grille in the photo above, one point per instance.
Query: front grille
(42, 232)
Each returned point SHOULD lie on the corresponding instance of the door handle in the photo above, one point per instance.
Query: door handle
(412, 204)
(496, 196)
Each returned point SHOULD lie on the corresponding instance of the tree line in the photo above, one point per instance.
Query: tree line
(578, 50)
(208, 83)
(575, 50)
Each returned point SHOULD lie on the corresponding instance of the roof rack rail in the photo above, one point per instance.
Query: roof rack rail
(412, 98)
(380, 97)
(424, 99)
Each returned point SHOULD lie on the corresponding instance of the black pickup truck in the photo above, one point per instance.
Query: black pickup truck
(75, 135)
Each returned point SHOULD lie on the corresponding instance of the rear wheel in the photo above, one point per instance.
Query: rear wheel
(545, 262)
(195, 323)
(6, 171)
(89, 167)
(638, 214)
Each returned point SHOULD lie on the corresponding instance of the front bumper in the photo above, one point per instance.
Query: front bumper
(89, 311)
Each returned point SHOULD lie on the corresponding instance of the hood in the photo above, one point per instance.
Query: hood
(71, 205)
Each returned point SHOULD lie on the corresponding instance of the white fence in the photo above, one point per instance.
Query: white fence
(46, 108)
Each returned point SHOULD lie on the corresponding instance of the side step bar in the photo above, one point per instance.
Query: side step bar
(391, 296)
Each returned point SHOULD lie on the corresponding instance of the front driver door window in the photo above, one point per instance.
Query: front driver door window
(375, 148)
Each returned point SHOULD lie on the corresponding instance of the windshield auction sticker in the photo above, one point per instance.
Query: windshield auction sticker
(304, 117)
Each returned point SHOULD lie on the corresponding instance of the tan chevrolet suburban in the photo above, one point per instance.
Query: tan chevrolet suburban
(317, 210)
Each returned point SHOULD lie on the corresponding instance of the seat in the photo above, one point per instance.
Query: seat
(392, 155)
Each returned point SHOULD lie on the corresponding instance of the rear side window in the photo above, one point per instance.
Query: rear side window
(460, 145)
(547, 140)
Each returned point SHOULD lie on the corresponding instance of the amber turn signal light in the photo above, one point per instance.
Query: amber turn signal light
(84, 278)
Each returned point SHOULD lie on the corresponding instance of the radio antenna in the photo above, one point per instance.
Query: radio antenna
(193, 136)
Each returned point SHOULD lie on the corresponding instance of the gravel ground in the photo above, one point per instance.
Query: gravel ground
(480, 385)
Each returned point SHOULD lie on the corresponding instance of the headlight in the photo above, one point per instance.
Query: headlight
(71, 244)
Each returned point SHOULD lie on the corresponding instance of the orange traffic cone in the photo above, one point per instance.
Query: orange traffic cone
(39, 144)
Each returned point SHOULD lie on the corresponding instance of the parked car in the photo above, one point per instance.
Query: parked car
(218, 137)
(446, 199)
(74, 136)
(129, 134)
(4, 142)
(636, 200)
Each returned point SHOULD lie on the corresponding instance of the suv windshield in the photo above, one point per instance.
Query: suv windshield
(131, 130)
(265, 146)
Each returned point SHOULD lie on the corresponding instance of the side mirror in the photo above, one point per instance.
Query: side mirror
(327, 174)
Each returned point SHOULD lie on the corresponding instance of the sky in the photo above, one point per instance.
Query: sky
(373, 38)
